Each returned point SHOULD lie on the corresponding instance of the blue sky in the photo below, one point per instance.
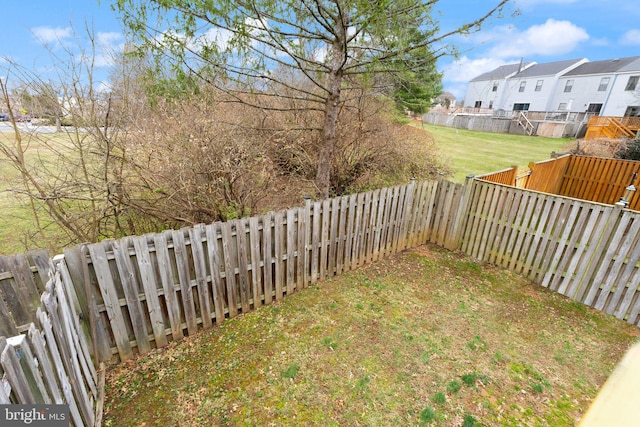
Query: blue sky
(543, 31)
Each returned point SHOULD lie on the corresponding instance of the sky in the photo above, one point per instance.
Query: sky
(541, 31)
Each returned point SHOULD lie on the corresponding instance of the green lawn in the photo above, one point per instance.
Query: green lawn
(471, 152)
(426, 337)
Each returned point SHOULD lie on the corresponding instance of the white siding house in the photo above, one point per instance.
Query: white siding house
(487, 90)
(607, 88)
(597, 87)
(533, 88)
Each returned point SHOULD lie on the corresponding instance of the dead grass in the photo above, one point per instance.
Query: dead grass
(426, 337)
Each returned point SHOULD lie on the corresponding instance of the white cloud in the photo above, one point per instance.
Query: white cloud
(465, 69)
(551, 38)
(48, 35)
(631, 37)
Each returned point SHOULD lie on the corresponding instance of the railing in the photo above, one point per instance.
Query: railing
(613, 127)
(525, 123)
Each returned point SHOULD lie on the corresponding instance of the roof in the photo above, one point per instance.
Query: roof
(502, 72)
(549, 68)
(607, 66)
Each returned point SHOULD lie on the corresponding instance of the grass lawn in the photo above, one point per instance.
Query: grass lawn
(18, 229)
(471, 152)
(425, 337)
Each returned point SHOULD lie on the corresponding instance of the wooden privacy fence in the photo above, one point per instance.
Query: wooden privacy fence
(138, 293)
(50, 363)
(22, 280)
(595, 179)
(141, 292)
(587, 251)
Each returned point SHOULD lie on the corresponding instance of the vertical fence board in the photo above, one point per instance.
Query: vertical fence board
(268, 260)
(256, 276)
(342, 229)
(148, 279)
(301, 251)
(184, 278)
(200, 266)
(279, 236)
(229, 269)
(57, 358)
(333, 236)
(130, 286)
(291, 251)
(348, 246)
(382, 197)
(243, 267)
(215, 265)
(167, 279)
(45, 364)
(111, 301)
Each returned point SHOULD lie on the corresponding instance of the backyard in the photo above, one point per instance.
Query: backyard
(471, 152)
(424, 337)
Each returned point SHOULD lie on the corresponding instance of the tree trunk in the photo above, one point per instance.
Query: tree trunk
(328, 142)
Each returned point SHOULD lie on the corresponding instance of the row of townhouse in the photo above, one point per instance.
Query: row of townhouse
(606, 88)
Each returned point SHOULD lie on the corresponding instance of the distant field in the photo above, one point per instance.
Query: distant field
(471, 152)
(17, 223)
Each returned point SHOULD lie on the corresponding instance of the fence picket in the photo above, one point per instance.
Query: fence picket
(130, 287)
(268, 260)
(291, 251)
(184, 279)
(215, 265)
(45, 365)
(229, 269)
(243, 265)
(148, 279)
(57, 357)
(111, 301)
(167, 278)
(196, 234)
(256, 275)
(279, 248)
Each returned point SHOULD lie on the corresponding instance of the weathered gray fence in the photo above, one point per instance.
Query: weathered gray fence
(586, 251)
(145, 291)
(22, 280)
(51, 363)
(138, 293)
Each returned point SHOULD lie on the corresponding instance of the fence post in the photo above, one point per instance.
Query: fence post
(455, 238)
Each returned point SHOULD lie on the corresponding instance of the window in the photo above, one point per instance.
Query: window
(478, 104)
(520, 107)
(562, 106)
(568, 86)
(632, 111)
(490, 104)
(495, 87)
(539, 85)
(604, 83)
(594, 108)
(632, 83)
(522, 86)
